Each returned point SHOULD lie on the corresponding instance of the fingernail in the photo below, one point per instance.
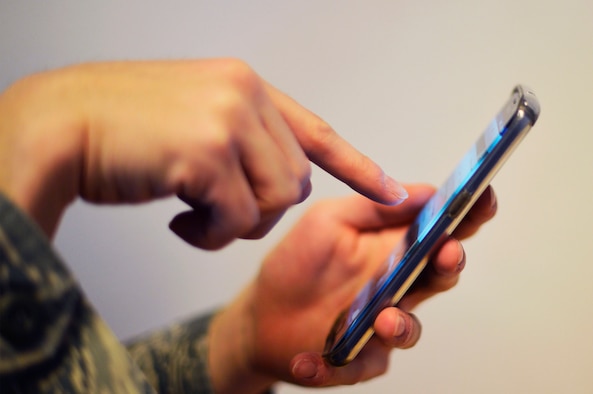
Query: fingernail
(400, 327)
(399, 192)
(461, 262)
(306, 191)
(493, 200)
(304, 369)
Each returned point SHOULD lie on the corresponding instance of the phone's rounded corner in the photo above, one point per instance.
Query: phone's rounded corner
(529, 102)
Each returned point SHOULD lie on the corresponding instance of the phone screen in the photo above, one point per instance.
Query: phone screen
(436, 220)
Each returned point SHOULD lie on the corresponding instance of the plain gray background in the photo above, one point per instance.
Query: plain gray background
(410, 84)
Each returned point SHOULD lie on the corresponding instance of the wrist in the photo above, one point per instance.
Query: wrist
(231, 350)
(41, 142)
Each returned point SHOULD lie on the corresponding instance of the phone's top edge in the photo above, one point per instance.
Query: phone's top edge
(529, 101)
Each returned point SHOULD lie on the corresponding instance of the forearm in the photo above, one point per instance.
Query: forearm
(41, 146)
(233, 346)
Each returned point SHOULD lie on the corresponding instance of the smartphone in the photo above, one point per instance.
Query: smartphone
(435, 222)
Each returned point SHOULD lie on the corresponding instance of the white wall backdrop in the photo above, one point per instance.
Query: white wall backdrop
(410, 84)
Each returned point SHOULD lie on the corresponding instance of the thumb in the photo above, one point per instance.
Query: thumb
(310, 369)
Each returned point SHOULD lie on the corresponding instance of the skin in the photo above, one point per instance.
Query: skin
(310, 276)
(238, 152)
(211, 132)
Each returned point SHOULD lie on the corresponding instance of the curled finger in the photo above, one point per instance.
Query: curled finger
(441, 274)
(397, 329)
(225, 211)
(483, 210)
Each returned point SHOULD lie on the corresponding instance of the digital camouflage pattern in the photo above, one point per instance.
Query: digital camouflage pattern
(52, 340)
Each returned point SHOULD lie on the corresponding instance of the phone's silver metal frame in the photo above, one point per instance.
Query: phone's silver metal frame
(519, 114)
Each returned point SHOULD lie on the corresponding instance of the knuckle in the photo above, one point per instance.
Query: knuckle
(288, 188)
(230, 226)
(283, 195)
(364, 165)
(304, 172)
(216, 144)
(220, 145)
(321, 136)
(246, 223)
(232, 108)
(300, 182)
(237, 87)
(241, 76)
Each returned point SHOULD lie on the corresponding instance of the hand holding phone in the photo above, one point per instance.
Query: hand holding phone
(435, 222)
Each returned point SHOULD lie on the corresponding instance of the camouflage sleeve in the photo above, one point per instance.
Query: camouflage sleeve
(174, 359)
(51, 339)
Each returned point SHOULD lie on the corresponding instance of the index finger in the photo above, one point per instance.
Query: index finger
(335, 155)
